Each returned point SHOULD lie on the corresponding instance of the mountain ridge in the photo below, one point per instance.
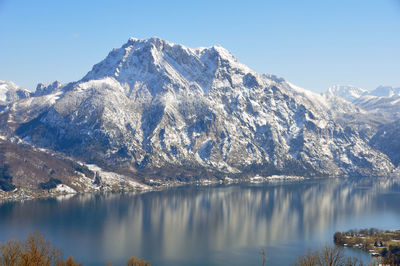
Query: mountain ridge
(384, 101)
(154, 108)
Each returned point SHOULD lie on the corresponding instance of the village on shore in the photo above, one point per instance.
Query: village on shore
(378, 243)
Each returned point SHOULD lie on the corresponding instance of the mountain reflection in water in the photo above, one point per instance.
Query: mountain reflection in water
(217, 225)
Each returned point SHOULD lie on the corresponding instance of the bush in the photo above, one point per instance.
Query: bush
(52, 183)
(5, 179)
(391, 256)
(6, 185)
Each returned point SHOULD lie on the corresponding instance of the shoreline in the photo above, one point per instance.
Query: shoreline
(25, 194)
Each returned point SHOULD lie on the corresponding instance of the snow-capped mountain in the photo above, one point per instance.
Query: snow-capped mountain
(384, 101)
(154, 107)
(385, 91)
(352, 93)
(378, 122)
(10, 92)
(347, 92)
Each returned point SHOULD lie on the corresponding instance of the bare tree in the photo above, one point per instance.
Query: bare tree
(350, 261)
(69, 262)
(38, 251)
(331, 256)
(310, 259)
(10, 253)
(35, 250)
(327, 256)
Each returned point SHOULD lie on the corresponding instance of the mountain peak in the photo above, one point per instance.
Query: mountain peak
(223, 53)
(9, 91)
(42, 89)
(156, 41)
(153, 62)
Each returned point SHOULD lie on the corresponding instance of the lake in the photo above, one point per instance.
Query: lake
(208, 225)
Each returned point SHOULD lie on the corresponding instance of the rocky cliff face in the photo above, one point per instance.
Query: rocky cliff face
(154, 107)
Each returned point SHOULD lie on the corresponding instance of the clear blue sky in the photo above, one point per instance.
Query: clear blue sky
(312, 43)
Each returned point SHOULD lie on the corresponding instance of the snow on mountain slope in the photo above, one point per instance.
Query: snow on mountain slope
(330, 103)
(10, 92)
(383, 106)
(156, 64)
(387, 140)
(154, 106)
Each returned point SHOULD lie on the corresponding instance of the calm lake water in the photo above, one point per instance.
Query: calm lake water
(219, 225)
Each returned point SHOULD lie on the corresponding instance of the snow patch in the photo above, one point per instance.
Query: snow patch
(61, 188)
(111, 178)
